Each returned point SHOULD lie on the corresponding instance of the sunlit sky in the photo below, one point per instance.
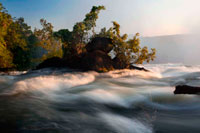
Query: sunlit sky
(148, 17)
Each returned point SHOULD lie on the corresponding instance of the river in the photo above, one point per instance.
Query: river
(121, 101)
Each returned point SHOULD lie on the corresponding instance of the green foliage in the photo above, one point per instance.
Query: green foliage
(74, 41)
(91, 18)
(5, 54)
(48, 41)
(19, 44)
(81, 29)
(15, 47)
(64, 34)
(140, 55)
(127, 51)
(66, 37)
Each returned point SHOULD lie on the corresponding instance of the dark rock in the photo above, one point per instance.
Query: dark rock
(7, 70)
(78, 49)
(100, 43)
(97, 61)
(185, 89)
(118, 64)
(51, 62)
(139, 68)
(73, 62)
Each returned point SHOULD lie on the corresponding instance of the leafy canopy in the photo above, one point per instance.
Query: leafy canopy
(74, 41)
(47, 41)
(127, 50)
(14, 41)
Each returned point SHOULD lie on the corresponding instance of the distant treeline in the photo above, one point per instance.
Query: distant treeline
(22, 49)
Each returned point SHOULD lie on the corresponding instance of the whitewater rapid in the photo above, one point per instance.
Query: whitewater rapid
(121, 101)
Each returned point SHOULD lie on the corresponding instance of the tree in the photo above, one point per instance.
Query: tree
(127, 51)
(16, 47)
(48, 41)
(5, 54)
(17, 42)
(91, 18)
(74, 41)
(66, 37)
(81, 29)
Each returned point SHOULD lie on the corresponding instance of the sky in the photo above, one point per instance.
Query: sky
(148, 17)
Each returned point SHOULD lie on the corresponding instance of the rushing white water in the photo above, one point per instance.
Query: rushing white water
(122, 101)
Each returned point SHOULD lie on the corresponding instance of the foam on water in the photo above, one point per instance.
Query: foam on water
(125, 125)
(116, 98)
(122, 98)
(171, 70)
(49, 84)
(129, 73)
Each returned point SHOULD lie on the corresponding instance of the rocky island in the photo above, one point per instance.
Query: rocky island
(95, 57)
(82, 48)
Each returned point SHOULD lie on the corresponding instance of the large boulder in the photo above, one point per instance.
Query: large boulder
(100, 43)
(119, 64)
(97, 61)
(51, 62)
(78, 49)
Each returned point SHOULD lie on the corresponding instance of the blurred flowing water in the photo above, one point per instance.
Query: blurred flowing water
(122, 101)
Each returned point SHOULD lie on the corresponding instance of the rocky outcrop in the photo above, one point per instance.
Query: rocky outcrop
(100, 43)
(185, 89)
(95, 58)
(118, 64)
(51, 62)
(98, 61)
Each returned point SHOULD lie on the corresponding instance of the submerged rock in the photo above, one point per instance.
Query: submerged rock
(185, 89)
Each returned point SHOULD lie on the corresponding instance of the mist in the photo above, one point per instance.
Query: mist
(183, 48)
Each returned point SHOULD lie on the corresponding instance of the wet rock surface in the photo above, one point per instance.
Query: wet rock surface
(185, 89)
